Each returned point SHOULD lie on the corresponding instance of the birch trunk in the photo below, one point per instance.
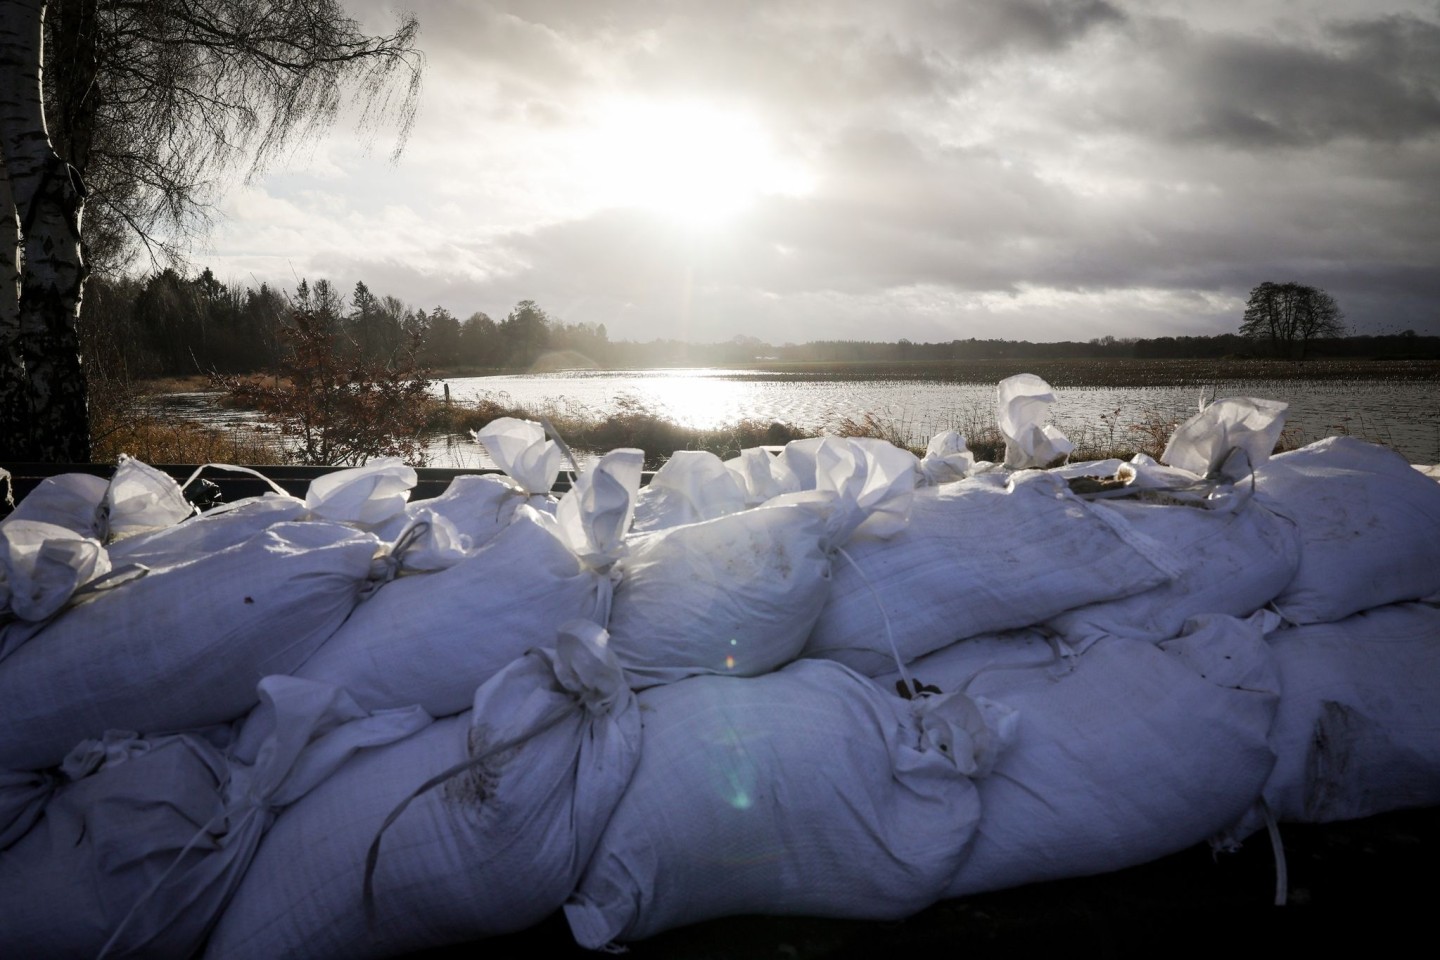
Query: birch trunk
(14, 385)
(49, 199)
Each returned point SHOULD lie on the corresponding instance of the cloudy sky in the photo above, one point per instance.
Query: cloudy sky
(854, 169)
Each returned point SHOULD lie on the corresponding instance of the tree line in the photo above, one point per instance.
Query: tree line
(169, 324)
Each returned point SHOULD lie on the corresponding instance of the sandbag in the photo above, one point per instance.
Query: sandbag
(493, 849)
(1232, 561)
(102, 843)
(41, 567)
(737, 594)
(366, 496)
(1124, 753)
(1358, 732)
(139, 854)
(979, 555)
(804, 792)
(477, 506)
(69, 500)
(693, 485)
(140, 499)
(208, 532)
(1023, 405)
(183, 646)
(432, 638)
(1369, 528)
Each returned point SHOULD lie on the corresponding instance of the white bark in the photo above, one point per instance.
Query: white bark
(14, 392)
(49, 200)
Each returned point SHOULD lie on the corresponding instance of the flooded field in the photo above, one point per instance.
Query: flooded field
(1396, 404)
(1401, 413)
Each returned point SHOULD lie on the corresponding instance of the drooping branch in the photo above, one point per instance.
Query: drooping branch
(205, 89)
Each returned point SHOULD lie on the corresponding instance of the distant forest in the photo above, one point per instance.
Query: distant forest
(172, 325)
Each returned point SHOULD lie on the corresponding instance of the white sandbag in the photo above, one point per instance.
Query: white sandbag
(41, 567)
(807, 792)
(693, 485)
(1124, 753)
(366, 496)
(1358, 732)
(980, 555)
(477, 506)
(946, 459)
(183, 646)
(70, 500)
(491, 850)
(207, 533)
(1369, 528)
(519, 447)
(1022, 406)
(140, 499)
(735, 595)
(139, 855)
(1232, 561)
(738, 595)
(432, 638)
(762, 475)
(1245, 426)
(594, 516)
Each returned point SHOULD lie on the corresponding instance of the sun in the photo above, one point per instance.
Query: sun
(698, 163)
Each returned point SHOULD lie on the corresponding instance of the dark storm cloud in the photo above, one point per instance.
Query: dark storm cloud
(1369, 79)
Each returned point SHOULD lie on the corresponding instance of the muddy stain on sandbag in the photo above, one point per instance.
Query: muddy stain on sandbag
(1328, 764)
(480, 782)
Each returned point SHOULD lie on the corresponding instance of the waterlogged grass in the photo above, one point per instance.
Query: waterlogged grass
(153, 440)
(1117, 435)
(633, 426)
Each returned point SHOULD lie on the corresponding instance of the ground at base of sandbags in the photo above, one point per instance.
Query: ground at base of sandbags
(1362, 878)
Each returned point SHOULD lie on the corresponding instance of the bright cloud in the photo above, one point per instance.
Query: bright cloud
(1033, 169)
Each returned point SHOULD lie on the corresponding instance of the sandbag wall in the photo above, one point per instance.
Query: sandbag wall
(844, 681)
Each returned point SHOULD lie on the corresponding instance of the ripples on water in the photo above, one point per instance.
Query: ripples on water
(1404, 415)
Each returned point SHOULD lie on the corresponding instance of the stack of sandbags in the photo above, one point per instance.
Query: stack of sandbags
(505, 804)
(431, 638)
(183, 646)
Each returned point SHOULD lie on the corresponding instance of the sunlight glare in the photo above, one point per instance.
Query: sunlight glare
(696, 163)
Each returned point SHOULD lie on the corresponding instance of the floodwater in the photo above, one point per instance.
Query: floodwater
(1402, 414)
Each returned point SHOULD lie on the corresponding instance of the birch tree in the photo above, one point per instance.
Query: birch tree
(152, 103)
(49, 201)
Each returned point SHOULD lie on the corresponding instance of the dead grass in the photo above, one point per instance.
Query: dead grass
(156, 441)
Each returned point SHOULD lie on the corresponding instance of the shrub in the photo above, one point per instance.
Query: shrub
(338, 407)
